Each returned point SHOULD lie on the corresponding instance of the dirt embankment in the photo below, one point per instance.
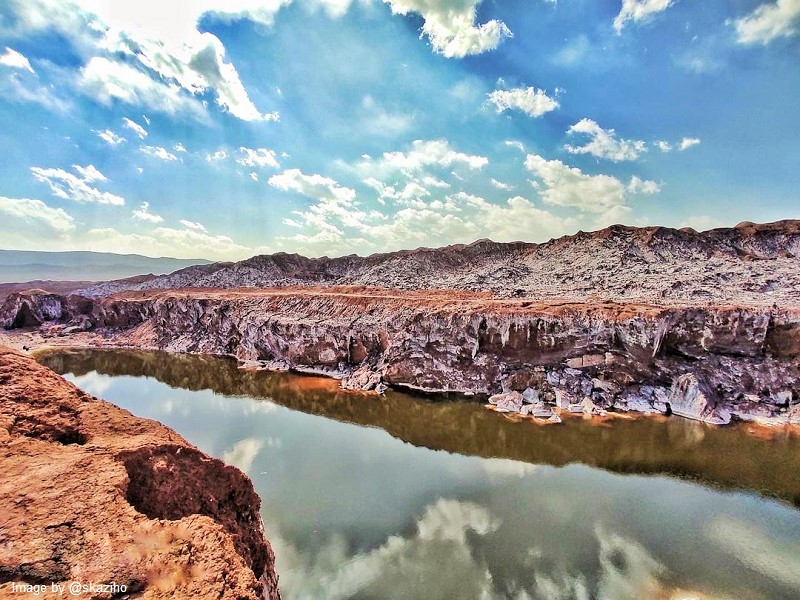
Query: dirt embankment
(92, 494)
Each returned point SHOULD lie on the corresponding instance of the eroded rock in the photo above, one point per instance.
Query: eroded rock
(91, 493)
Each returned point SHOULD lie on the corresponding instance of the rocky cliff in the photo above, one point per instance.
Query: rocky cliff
(748, 263)
(92, 495)
(713, 363)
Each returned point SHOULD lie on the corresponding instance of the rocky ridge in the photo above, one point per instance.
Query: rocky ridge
(94, 495)
(747, 264)
(712, 363)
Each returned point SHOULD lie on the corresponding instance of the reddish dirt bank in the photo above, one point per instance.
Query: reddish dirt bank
(90, 493)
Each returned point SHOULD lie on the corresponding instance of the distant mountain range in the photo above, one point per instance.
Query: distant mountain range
(23, 265)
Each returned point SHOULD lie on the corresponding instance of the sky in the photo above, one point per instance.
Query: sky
(222, 129)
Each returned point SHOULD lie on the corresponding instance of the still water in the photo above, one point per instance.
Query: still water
(401, 497)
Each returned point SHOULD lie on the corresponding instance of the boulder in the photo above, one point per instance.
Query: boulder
(508, 402)
(693, 398)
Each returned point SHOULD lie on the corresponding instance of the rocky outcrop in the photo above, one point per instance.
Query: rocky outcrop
(93, 495)
(747, 264)
(707, 363)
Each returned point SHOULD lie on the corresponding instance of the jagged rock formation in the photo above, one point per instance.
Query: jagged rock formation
(708, 363)
(749, 263)
(92, 494)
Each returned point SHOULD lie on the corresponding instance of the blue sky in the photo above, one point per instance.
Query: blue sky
(223, 129)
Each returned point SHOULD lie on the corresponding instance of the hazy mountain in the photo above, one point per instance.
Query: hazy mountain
(23, 265)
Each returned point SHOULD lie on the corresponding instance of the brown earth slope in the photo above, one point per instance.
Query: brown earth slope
(92, 494)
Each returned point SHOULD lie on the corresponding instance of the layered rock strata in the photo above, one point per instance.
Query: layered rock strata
(713, 363)
(93, 495)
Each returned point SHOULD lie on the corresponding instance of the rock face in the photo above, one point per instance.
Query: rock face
(654, 265)
(94, 495)
(745, 360)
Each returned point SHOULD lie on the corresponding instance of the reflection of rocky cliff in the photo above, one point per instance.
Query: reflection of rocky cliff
(90, 493)
(678, 447)
(704, 362)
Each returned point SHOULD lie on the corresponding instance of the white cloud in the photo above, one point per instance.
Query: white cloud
(194, 225)
(179, 147)
(90, 173)
(243, 453)
(562, 185)
(14, 60)
(663, 145)
(111, 138)
(450, 26)
(254, 176)
(18, 86)
(531, 101)
(106, 81)
(197, 65)
(421, 155)
(500, 185)
(517, 145)
(437, 556)
(76, 188)
(36, 213)
(143, 214)
(260, 157)
(604, 143)
(643, 186)
(688, 142)
(334, 202)
(769, 21)
(220, 154)
(166, 241)
(135, 127)
(639, 10)
(158, 152)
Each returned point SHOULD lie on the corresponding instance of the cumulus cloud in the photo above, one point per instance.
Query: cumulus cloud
(76, 187)
(420, 156)
(687, 143)
(604, 143)
(243, 453)
(435, 560)
(110, 137)
(135, 127)
(107, 81)
(769, 21)
(179, 147)
(143, 214)
(14, 60)
(220, 154)
(450, 26)
(259, 157)
(562, 185)
(158, 152)
(35, 213)
(531, 101)
(639, 10)
(517, 145)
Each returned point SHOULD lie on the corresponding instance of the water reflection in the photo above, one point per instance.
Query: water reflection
(726, 457)
(447, 500)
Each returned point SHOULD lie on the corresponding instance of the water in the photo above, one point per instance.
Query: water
(398, 497)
